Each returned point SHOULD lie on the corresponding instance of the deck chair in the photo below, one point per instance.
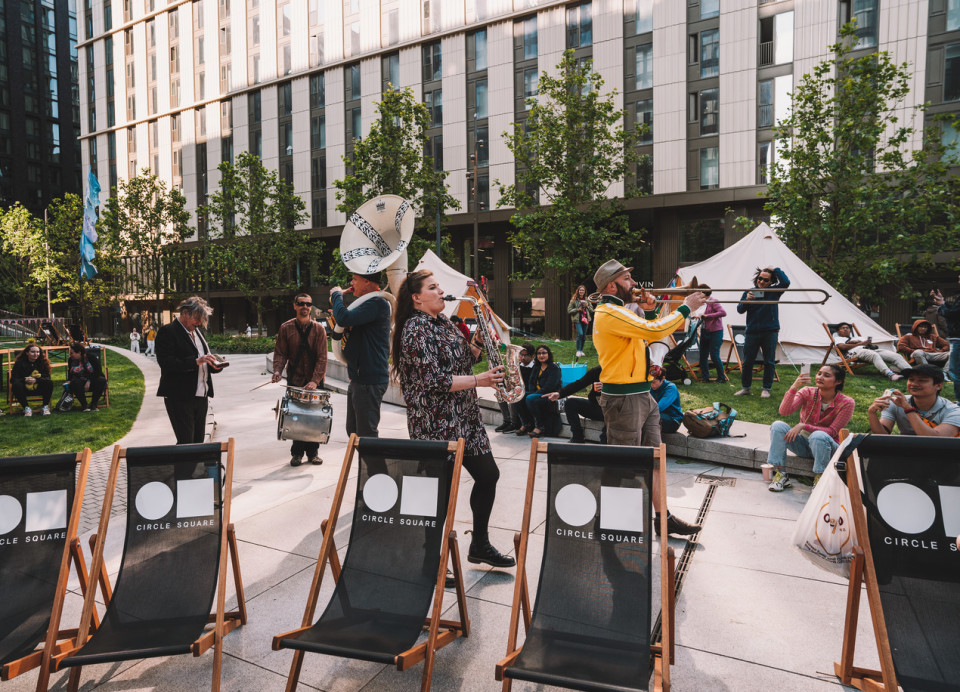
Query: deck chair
(905, 502)
(590, 625)
(40, 502)
(174, 561)
(849, 363)
(390, 587)
(737, 333)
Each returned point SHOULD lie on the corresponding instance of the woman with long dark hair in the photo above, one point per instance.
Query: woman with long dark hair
(538, 410)
(85, 375)
(30, 377)
(434, 365)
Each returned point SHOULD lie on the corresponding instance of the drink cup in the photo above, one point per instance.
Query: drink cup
(767, 470)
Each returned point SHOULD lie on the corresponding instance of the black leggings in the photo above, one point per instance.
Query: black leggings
(483, 469)
(44, 388)
(78, 389)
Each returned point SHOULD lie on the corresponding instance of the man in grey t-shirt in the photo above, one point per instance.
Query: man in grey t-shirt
(924, 412)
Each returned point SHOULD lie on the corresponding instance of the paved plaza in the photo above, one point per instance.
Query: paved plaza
(751, 613)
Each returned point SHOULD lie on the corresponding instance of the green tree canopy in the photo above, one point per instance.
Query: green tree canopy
(23, 262)
(568, 152)
(147, 218)
(849, 193)
(391, 160)
(253, 217)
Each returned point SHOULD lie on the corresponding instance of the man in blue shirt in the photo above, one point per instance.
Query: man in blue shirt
(366, 349)
(763, 327)
(668, 400)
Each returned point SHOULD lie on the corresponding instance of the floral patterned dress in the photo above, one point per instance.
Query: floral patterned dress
(432, 352)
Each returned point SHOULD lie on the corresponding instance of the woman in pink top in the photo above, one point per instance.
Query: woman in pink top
(711, 337)
(824, 411)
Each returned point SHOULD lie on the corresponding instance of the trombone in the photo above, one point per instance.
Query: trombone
(640, 293)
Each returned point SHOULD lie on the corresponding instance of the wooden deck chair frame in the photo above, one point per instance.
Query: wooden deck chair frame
(223, 622)
(687, 367)
(56, 639)
(521, 592)
(449, 553)
(849, 364)
(732, 350)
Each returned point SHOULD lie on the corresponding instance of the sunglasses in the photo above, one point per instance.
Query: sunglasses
(301, 304)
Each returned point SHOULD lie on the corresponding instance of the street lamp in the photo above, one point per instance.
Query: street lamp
(474, 179)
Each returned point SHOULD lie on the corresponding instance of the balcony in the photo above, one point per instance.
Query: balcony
(766, 54)
(765, 115)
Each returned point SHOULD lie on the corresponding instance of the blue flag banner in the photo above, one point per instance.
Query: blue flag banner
(88, 236)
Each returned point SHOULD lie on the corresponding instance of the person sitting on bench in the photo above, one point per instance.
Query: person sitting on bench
(31, 377)
(924, 412)
(668, 400)
(577, 406)
(863, 350)
(85, 375)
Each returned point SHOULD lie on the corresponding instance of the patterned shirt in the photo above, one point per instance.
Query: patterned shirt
(432, 352)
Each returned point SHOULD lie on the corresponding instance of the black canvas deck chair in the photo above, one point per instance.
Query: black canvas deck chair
(40, 501)
(390, 587)
(174, 562)
(849, 363)
(905, 504)
(737, 334)
(590, 626)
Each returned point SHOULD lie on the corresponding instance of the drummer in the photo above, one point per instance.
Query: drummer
(302, 348)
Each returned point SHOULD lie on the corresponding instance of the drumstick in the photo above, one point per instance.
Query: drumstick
(262, 385)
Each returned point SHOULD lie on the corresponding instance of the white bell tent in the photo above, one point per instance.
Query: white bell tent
(802, 337)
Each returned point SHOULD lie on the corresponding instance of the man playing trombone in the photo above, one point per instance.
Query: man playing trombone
(620, 337)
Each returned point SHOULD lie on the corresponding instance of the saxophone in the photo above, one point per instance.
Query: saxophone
(510, 389)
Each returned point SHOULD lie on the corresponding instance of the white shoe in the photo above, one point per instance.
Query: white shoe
(27, 412)
(45, 410)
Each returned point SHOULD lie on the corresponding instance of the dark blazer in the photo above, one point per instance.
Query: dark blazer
(177, 358)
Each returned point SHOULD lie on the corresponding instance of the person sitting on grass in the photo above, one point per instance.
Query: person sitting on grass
(923, 412)
(824, 411)
(668, 400)
(85, 375)
(577, 406)
(864, 351)
(30, 377)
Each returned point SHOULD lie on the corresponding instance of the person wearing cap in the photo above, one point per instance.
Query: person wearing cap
(620, 337)
(922, 412)
(924, 346)
(302, 348)
(366, 352)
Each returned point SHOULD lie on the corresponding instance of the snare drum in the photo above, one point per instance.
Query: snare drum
(305, 415)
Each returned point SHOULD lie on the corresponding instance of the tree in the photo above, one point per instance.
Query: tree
(63, 236)
(849, 195)
(254, 216)
(147, 218)
(391, 160)
(21, 237)
(568, 153)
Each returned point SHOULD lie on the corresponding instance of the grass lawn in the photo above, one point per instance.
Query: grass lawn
(865, 386)
(71, 432)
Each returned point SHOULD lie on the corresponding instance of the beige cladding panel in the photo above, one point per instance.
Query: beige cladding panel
(669, 97)
(336, 132)
(300, 91)
(454, 84)
(902, 23)
(271, 134)
(268, 40)
(241, 125)
(738, 97)
(370, 84)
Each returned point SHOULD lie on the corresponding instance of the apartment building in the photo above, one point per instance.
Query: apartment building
(39, 102)
(295, 81)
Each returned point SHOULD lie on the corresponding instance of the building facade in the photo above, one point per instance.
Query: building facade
(295, 81)
(39, 102)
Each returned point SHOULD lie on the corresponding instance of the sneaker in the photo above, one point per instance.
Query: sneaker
(487, 554)
(451, 581)
(86, 410)
(45, 410)
(781, 481)
(578, 440)
(27, 412)
(502, 427)
(742, 392)
(894, 377)
(509, 428)
(816, 479)
(765, 394)
(676, 526)
(295, 461)
(315, 460)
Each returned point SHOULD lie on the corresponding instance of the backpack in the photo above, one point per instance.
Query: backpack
(66, 401)
(712, 421)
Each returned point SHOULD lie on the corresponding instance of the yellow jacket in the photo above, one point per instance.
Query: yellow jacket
(621, 336)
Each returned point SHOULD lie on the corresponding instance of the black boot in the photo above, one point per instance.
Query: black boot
(676, 526)
(483, 551)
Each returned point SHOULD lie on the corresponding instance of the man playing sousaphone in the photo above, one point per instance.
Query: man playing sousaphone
(302, 348)
(620, 337)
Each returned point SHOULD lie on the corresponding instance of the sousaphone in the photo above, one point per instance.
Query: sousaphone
(375, 239)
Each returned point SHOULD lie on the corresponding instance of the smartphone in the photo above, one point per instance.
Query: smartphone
(889, 392)
(758, 295)
(804, 368)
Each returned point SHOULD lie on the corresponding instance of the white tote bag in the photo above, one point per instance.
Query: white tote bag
(825, 533)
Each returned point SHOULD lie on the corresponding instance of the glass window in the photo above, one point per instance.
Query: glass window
(316, 49)
(644, 115)
(710, 53)
(432, 63)
(481, 98)
(709, 170)
(480, 49)
(286, 100)
(253, 106)
(255, 30)
(644, 17)
(393, 27)
(354, 81)
(709, 112)
(579, 26)
(765, 104)
(953, 15)
(765, 156)
(318, 173)
(434, 102)
(530, 38)
(391, 70)
(317, 91)
(355, 38)
(285, 13)
(530, 78)
(286, 139)
(700, 239)
(357, 129)
(645, 66)
(318, 132)
(710, 8)
(950, 137)
(865, 12)
(951, 73)
(483, 146)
